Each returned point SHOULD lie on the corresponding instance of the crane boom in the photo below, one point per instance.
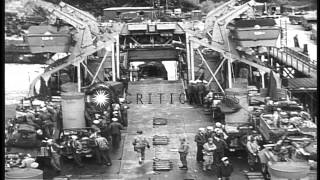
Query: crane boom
(219, 19)
(83, 36)
(81, 15)
(212, 15)
(88, 38)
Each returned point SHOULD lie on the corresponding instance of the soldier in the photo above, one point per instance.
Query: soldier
(208, 99)
(48, 125)
(115, 132)
(105, 131)
(208, 152)
(96, 125)
(117, 114)
(201, 72)
(103, 149)
(191, 92)
(225, 169)
(221, 146)
(140, 143)
(30, 118)
(201, 89)
(76, 148)
(219, 129)
(200, 139)
(183, 152)
(54, 151)
(124, 112)
(209, 132)
(252, 149)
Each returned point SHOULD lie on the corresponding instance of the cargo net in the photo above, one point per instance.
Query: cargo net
(159, 121)
(160, 140)
(162, 164)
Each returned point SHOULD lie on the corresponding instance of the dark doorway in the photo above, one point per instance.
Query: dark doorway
(153, 70)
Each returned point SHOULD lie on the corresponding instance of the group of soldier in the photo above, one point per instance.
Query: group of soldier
(106, 131)
(196, 92)
(106, 134)
(211, 147)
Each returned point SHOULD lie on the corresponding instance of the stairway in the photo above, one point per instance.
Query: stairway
(151, 91)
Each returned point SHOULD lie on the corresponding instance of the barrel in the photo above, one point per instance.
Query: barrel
(72, 104)
(24, 173)
(288, 170)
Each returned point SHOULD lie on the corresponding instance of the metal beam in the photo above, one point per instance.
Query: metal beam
(229, 55)
(72, 60)
(192, 61)
(205, 62)
(99, 68)
(113, 62)
(79, 76)
(87, 69)
(118, 56)
(188, 55)
(216, 71)
(134, 40)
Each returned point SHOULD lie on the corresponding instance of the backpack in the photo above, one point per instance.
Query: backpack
(140, 142)
(103, 144)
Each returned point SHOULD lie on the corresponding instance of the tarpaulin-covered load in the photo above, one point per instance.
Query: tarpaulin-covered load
(49, 39)
(24, 173)
(256, 32)
(288, 170)
(24, 135)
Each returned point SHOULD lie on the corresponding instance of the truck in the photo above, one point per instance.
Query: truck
(308, 20)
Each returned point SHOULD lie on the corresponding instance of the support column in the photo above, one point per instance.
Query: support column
(113, 62)
(118, 57)
(85, 71)
(79, 77)
(262, 79)
(229, 74)
(192, 60)
(188, 56)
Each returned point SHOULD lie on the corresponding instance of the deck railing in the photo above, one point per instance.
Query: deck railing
(294, 59)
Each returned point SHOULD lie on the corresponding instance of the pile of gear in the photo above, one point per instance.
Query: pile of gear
(19, 160)
(32, 124)
(286, 115)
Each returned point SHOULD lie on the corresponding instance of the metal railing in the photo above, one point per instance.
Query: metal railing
(292, 58)
(300, 55)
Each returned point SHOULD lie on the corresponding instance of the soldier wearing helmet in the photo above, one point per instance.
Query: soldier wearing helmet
(54, 151)
(209, 132)
(115, 132)
(221, 146)
(183, 152)
(140, 143)
(76, 148)
(200, 139)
